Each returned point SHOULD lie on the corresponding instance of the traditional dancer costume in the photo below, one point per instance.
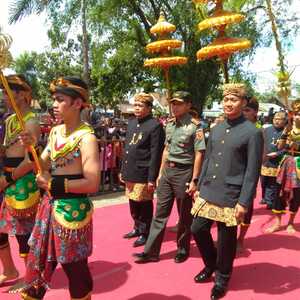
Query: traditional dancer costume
(63, 228)
(289, 169)
(21, 197)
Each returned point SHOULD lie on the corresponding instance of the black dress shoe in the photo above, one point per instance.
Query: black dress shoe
(218, 292)
(181, 257)
(143, 258)
(203, 276)
(142, 239)
(262, 201)
(131, 234)
(139, 254)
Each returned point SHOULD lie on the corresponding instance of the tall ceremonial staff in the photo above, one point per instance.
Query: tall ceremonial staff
(283, 76)
(5, 61)
(163, 47)
(223, 46)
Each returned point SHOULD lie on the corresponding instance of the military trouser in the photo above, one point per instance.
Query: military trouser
(172, 184)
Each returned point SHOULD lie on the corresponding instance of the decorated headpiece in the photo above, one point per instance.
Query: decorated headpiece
(17, 82)
(296, 106)
(71, 86)
(144, 98)
(236, 89)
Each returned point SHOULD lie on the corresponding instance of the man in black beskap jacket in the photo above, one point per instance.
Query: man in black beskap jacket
(141, 162)
(226, 188)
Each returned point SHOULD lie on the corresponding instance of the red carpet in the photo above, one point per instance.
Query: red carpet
(269, 268)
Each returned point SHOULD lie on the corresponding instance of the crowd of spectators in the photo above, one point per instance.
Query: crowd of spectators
(111, 132)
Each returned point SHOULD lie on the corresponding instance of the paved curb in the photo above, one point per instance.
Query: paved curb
(109, 199)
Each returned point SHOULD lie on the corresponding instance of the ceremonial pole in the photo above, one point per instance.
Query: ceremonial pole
(223, 46)
(5, 60)
(164, 46)
(284, 83)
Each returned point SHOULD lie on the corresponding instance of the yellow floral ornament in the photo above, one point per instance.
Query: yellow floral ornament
(223, 47)
(5, 56)
(220, 18)
(165, 62)
(164, 45)
(162, 27)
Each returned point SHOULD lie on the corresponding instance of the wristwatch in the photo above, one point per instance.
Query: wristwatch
(195, 180)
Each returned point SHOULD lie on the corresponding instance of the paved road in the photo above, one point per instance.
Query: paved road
(109, 199)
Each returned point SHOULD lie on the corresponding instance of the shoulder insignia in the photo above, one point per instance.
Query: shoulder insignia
(195, 121)
(199, 134)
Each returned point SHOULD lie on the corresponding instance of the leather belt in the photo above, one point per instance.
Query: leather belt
(173, 164)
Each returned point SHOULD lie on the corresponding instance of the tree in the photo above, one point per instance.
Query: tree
(41, 69)
(21, 8)
(117, 32)
(127, 28)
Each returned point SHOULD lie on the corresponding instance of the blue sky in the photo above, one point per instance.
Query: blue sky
(31, 34)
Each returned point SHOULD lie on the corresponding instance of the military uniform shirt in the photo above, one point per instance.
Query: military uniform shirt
(183, 138)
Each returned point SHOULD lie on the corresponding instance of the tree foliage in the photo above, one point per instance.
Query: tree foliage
(117, 33)
(41, 69)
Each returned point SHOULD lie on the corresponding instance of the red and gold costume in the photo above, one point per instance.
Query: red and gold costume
(289, 169)
(63, 228)
(21, 196)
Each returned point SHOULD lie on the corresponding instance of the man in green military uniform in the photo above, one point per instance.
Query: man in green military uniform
(180, 168)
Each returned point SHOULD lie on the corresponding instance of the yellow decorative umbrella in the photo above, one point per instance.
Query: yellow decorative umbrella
(220, 18)
(223, 46)
(164, 47)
